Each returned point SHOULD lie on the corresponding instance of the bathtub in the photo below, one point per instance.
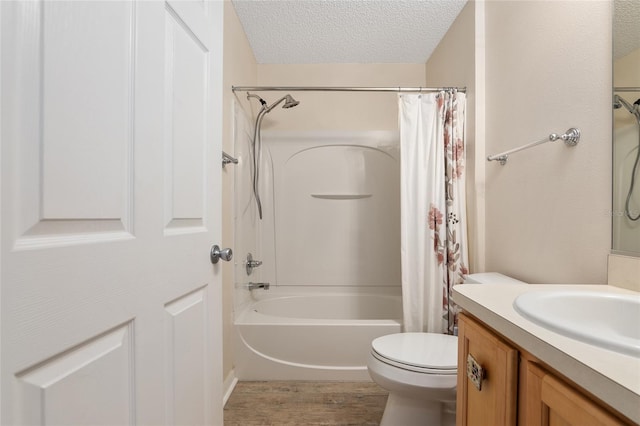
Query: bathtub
(313, 335)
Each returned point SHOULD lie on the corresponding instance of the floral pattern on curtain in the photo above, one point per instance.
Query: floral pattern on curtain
(448, 227)
(433, 209)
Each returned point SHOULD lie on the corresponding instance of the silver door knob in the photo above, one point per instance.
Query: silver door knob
(217, 253)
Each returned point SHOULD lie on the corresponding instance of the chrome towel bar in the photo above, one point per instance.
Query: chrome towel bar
(570, 138)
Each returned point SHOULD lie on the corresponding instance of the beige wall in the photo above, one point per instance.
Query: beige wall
(239, 69)
(533, 68)
(624, 271)
(626, 69)
(338, 110)
(548, 68)
(459, 61)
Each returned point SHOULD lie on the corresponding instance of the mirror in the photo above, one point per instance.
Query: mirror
(625, 210)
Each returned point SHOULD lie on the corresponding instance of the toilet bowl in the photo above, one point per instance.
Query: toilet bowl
(420, 371)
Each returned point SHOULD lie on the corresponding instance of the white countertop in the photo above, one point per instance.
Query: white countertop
(610, 376)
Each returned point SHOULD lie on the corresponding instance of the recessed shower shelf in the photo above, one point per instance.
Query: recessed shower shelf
(341, 196)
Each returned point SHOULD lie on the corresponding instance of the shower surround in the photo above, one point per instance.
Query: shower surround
(330, 246)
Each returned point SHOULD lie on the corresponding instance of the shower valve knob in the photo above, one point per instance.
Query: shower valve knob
(251, 264)
(217, 253)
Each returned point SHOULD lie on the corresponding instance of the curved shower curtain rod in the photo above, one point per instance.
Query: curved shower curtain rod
(345, 89)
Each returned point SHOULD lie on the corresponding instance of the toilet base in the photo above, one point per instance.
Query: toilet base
(405, 411)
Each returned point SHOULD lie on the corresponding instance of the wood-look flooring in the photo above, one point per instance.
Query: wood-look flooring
(294, 403)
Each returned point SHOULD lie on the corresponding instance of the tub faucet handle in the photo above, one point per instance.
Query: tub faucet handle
(250, 264)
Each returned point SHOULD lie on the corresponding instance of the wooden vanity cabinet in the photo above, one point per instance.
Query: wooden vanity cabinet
(495, 403)
(516, 389)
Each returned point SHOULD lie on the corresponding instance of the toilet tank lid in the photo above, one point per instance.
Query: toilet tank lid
(491, 278)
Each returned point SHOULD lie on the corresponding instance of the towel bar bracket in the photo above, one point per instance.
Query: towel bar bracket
(226, 159)
(571, 137)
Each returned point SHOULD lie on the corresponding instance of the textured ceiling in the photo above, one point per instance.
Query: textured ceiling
(626, 27)
(345, 31)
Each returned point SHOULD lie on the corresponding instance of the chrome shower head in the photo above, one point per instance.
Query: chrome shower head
(634, 109)
(289, 102)
(619, 102)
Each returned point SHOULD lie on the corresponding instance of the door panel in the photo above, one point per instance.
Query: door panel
(109, 144)
(187, 358)
(185, 129)
(72, 105)
(86, 109)
(90, 384)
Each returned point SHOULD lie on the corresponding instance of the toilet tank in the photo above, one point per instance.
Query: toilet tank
(487, 278)
(491, 278)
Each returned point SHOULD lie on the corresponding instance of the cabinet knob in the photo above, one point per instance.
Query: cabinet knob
(475, 372)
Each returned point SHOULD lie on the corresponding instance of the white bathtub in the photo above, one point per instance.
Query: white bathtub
(313, 335)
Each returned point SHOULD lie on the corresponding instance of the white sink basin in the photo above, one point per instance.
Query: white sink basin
(607, 320)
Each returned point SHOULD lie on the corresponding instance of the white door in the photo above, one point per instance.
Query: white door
(110, 163)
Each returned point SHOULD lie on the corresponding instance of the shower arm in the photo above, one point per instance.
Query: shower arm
(275, 104)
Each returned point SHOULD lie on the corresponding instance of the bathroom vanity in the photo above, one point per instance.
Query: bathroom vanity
(512, 371)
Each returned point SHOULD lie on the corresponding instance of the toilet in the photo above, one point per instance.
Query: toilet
(420, 371)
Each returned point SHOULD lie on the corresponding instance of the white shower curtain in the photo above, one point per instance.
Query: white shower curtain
(433, 212)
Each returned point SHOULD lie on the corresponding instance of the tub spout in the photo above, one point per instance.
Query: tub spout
(254, 286)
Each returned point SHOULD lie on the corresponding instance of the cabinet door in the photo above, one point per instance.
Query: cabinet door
(545, 400)
(563, 406)
(495, 402)
(530, 406)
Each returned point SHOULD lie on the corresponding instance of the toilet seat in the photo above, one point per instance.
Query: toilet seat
(427, 353)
